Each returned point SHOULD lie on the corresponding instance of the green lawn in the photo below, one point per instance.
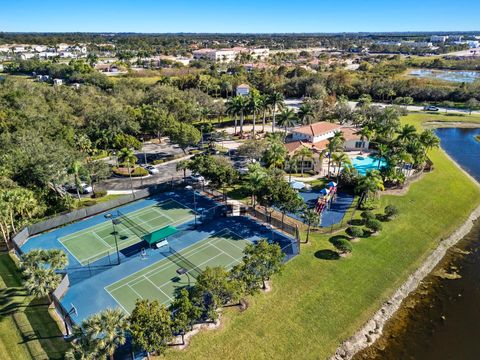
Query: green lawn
(316, 303)
(27, 331)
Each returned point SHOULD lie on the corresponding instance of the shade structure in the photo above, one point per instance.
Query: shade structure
(332, 184)
(297, 185)
(160, 235)
(325, 191)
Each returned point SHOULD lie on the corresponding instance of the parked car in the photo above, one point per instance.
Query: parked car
(152, 169)
(84, 188)
(430, 108)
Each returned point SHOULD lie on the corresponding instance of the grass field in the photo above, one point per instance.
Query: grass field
(159, 281)
(317, 303)
(98, 241)
(27, 331)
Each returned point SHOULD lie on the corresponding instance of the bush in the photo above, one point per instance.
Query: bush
(391, 211)
(343, 246)
(367, 215)
(354, 231)
(123, 171)
(99, 194)
(374, 225)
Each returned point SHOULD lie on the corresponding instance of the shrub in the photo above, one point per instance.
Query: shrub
(374, 225)
(123, 171)
(391, 211)
(99, 194)
(343, 246)
(354, 231)
(367, 215)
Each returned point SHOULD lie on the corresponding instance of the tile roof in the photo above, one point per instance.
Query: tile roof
(318, 128)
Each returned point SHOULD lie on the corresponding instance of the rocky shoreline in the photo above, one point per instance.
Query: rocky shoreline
(372, 330)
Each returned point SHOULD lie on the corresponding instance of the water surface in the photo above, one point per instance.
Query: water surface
(447, 75)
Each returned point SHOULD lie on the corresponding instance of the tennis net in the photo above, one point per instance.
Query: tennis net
(183, 262)
(132, 225)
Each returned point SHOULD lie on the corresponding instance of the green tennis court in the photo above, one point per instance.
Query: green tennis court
(160, 280)
(98, 241)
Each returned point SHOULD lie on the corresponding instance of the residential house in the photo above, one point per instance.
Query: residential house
(316, 138)
(243, 90)
(438, 38)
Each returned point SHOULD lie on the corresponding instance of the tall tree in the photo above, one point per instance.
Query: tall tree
(311, 218)
(275, 100)
(287, 118)
(303, 153)
(151, 326)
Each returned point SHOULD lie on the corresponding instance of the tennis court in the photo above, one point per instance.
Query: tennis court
(160, 280)
(98, 241)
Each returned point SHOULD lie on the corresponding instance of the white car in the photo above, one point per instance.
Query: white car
(86, 189)
(152, 169)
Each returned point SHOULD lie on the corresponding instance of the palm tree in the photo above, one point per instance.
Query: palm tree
(310, 217)
(275, 99)
(254, 105)
(242, 108)
(233, 110)
(57, 259)
(183, 165)
(335, 143)
(275, 154)
(340, 159)
(287, 118)
(369, 185)
(130, 159)
(40, 282)
(429, 140)
(109, 328)
(75, 170)
(291, 163)
(305, 113)
(255, 179)
(406, 134)
(381, 154)
(303, 153)
(264, 107)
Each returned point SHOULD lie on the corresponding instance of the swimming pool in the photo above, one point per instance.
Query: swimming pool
(366, 163)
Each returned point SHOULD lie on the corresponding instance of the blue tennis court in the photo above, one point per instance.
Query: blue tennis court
(205, 237)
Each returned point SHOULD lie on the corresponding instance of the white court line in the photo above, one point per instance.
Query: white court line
(131, 288)
(162, 267)
(101, 240)
(216, 247)
(118, 302)
(163, 292)
(197, 247)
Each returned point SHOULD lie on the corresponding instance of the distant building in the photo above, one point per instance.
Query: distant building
(438, 38)
(455, 37)
(472, 44)
(389, 43)
(220, 55)
(57, 82)
(417, 44)
(243, 90)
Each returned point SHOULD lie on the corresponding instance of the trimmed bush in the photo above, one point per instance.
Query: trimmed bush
(123, 171)
(391, 211)
(99, 194)
(354, 231)
(343, 246)
(374, 225)
(367, 215)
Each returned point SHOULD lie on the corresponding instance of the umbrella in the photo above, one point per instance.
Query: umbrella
(332, 184)
(325, 191)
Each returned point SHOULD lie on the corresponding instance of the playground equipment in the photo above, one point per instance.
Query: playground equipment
(327, 196)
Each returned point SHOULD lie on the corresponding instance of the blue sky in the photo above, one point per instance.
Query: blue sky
(245, 16)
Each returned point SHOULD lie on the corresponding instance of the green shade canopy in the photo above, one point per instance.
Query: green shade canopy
(160, 235)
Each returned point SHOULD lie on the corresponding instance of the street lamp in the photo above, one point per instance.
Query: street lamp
(114, 222)
(182, 271)
(189, 187)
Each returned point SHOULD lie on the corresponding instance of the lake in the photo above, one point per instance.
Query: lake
(447, 75)
(441, 319)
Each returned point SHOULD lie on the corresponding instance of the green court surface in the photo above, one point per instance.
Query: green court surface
(98, 241)
(160, 280)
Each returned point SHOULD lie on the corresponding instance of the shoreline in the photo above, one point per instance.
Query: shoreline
(450, 124)
(372, 330)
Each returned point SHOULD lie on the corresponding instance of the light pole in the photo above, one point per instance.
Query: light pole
(183, 271)
(144, 153)
(189, 187)
(114, 222)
